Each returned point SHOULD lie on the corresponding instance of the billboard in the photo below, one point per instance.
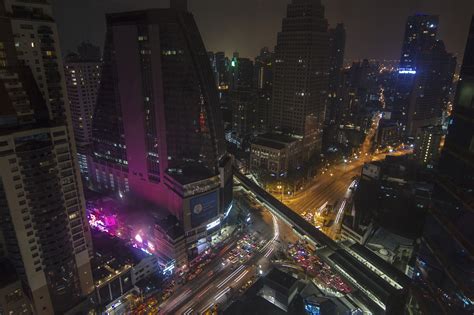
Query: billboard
(203, 208)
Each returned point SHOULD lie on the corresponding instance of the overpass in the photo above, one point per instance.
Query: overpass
(286, 214)
(377, 279)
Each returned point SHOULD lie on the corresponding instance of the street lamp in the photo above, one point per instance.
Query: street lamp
(280, 187)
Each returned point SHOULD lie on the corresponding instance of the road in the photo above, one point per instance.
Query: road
(219, 281)
(331, 186)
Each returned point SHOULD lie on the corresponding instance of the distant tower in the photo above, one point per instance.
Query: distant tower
(301, 72)
(337, 44)
(425, 74)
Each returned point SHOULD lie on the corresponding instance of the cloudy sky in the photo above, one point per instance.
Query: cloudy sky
(374, 27)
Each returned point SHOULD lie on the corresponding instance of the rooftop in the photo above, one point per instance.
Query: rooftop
(254, 305)
(189, 173)
(269, 144)
(171, 226)
(282, 278)
(279, 137)
(378, 262)
(111, 246)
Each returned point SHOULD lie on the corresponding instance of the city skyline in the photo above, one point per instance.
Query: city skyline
(164, 177)
(262, 22)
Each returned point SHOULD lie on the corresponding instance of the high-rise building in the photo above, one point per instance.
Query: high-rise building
(432, 84)
(301, 72)
(222, 63)
(428, 143)
(157, 128)
(82, 80)
(425, 74)
(263, 82)
(244, 112)
(241, 73)
(88, 51)
(337, 45)
(458, 154)
(420, 33)
(264, 70)
(212, 61)
(43, 226)
(444, 258)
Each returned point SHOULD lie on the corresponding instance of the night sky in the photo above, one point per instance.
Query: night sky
(374, 27)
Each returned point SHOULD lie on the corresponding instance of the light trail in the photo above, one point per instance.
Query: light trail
(208, 306)
(340, 212)
(276, 233)
(270, 251)
(189, 311)
(241, 276)
(221, 294)
(320, 209)
(179, 299)
(203, 292)
(223, 282)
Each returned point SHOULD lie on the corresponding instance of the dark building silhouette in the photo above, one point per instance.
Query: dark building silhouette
(337, 44)
(88, 51)
(301, 73)
(263, 74)
(244, 112)
(157, 129)
(241, 74)
(445, 256)
(458, 154)
(222, 64)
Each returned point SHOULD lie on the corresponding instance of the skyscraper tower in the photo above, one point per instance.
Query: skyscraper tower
(301, 73)
(337, 44)
(157, 128)
(82, 80)
(420, 33)
(425, 74)
(264, 83)
(43, 226)
(222, 69)
(263, 69)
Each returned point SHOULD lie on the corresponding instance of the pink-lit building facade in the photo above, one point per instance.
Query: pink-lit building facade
(157, 129)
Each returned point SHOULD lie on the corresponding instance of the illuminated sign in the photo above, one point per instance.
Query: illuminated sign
(169, 269)
(203, 208)
(213, 224)
(226, 213)
(406, 71)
